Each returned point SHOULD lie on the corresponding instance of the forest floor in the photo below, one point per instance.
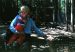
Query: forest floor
(63, 41)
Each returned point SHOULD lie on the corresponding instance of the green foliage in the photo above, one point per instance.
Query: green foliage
(62, 5)
(19, 3)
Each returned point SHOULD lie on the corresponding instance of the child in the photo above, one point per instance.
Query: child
(22, 24)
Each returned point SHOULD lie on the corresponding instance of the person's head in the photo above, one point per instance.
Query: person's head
(24, 11)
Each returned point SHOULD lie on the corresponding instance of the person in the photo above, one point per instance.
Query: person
(23, 25)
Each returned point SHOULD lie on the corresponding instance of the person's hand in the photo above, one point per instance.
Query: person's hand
(19, 33)
(45, 36)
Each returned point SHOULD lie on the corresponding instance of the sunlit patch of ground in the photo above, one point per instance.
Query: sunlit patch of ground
(58, 45)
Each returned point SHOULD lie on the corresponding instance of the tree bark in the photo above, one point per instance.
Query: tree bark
(72, 18)
(66, 15)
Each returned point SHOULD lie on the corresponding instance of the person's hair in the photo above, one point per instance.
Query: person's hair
(26, 8)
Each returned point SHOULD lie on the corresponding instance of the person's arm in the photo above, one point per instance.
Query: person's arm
(37, 30)
(13, 23)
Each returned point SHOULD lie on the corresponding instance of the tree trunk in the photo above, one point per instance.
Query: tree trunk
(72, 19)
(66, 15)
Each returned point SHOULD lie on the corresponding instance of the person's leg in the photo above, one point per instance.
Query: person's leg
(9, 42)
(20, 39)
(12, 39)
